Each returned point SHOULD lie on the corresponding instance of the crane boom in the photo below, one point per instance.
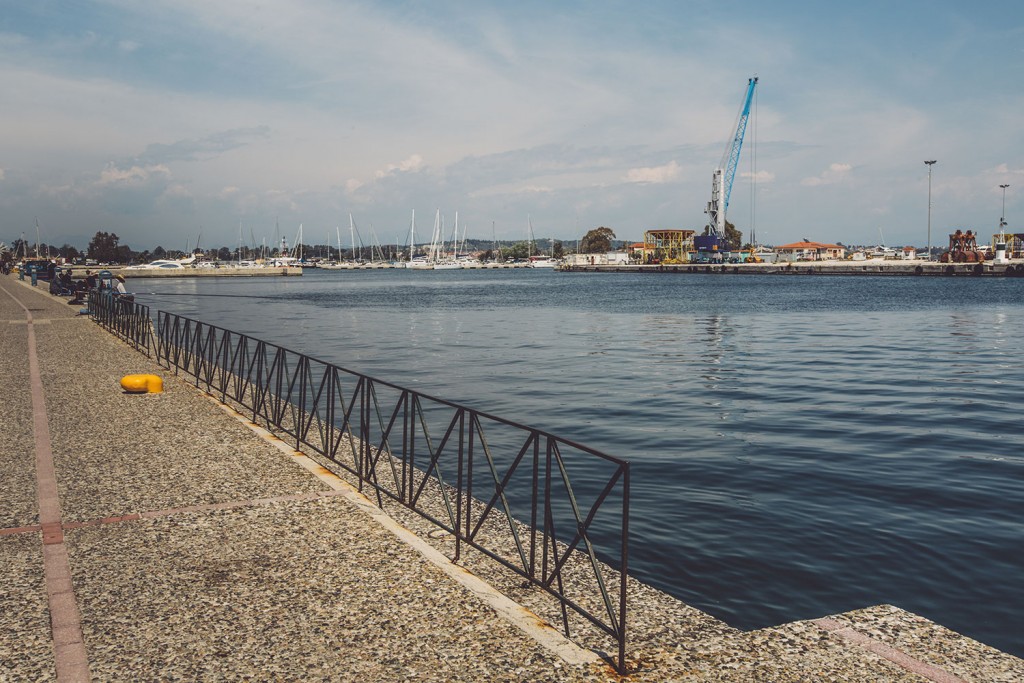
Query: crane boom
(723, 176)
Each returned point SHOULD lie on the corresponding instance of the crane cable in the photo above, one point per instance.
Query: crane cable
(753, 178)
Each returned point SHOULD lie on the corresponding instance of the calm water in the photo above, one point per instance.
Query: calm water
(800, 446)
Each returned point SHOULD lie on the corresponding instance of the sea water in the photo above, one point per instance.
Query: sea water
(800, 445)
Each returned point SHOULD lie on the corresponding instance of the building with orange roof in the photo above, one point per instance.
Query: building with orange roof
(810, 251)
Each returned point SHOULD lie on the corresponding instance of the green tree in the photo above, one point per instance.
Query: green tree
(557, 250)
(69, 252)
(104, 247)
(733, 237)
(597, 241)
(519, 250)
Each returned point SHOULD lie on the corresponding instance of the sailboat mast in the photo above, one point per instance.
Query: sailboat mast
(412, 234)
(529, 236)
(455, 237)
(352, 235)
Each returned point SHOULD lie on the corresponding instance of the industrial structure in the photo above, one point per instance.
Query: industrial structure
(963, 248)
(1013, 243)
(667, 246)
(712, 244)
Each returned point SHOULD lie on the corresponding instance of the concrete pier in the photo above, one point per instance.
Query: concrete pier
(871, 267)
(225, 271)
(160, 537)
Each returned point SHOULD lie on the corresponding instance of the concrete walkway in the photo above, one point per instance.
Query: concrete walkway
(156, 537)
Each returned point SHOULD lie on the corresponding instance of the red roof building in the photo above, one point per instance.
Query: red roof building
(810, 251)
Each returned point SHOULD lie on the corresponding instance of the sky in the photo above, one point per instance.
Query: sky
(172, 121)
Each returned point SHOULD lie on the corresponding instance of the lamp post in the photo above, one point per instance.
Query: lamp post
(1002, 215)
(930, 164)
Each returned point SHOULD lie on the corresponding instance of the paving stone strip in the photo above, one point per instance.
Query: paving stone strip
(932, 673)
(70, 656)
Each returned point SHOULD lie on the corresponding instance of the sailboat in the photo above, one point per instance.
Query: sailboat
(540, 261)
(441, 259)
(417, 262)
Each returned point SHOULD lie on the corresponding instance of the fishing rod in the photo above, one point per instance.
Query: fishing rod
(232, 296)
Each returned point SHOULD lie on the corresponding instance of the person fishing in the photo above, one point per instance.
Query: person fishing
(121, 292)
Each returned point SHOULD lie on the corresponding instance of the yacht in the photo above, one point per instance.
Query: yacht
(165, 264)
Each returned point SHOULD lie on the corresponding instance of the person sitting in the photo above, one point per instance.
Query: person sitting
(67, 285)
(121, 292)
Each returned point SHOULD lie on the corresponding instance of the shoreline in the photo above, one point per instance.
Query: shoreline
(846, 268)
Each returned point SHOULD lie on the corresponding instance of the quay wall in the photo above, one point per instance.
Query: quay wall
(79, 271)
(877, 268)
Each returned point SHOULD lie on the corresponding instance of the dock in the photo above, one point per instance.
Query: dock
(873, 267)
(221, 271)
(165, 537)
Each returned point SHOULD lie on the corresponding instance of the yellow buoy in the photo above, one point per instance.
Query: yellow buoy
(142, 384)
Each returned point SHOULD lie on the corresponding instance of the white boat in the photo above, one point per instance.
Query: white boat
(419, 263)
(166, 264)
(538, 260)
(543, 262)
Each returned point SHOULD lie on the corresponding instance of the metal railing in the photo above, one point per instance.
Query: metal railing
(497, 486)
(123, 318)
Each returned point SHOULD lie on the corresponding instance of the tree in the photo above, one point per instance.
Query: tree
(103, 247)
(733, 237)
(597, 241)
(557, 250)
(69, 252)
(519, 250)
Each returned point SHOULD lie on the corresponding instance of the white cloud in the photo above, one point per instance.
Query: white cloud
(131, 177)
(835, 173)
(760, 176)
(128, 46)
(655, 174)
(410, 165)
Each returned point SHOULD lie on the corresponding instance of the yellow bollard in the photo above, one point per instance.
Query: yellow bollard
(142, 384)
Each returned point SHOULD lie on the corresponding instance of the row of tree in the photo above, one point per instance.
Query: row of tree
(106, 247)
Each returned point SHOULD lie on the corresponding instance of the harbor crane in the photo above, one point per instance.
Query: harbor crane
(711, 245)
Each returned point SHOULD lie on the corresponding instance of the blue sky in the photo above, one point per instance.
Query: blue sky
(161, 120)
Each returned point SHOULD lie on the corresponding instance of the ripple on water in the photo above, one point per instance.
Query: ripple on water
(799, 446)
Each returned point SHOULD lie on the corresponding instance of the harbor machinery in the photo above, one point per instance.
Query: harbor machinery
(711, 245)
(963, 248)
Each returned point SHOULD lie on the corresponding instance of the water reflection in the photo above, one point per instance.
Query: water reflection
(781, 431)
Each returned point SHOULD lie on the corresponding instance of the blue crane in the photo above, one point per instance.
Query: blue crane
(721, 183)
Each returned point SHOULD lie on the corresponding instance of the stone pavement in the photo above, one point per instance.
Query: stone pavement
(157, 537)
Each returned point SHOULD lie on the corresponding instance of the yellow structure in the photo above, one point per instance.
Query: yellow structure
(142, 384)
(1014, 243)
(668, 246)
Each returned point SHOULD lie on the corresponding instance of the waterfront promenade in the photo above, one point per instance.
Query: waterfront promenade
(158, 537)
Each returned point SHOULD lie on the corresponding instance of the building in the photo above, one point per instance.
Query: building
(810, 251)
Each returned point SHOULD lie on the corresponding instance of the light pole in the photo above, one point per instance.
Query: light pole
(930, 164)
(1002, 215)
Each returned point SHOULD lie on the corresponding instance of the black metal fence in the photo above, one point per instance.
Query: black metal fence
(122, 317)
(553, 511)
